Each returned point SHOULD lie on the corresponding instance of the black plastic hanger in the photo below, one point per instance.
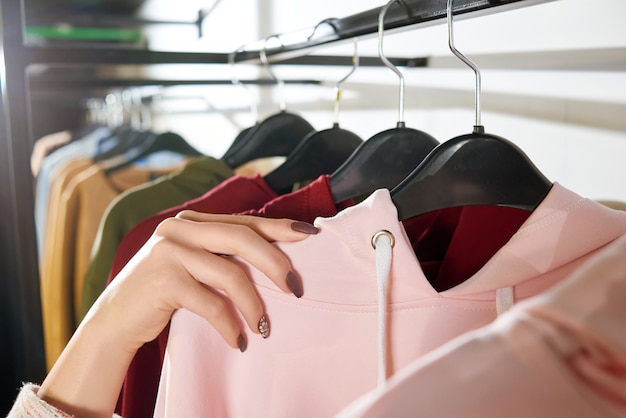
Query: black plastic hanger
(119, 141)
(382, 161)
(385, 159)
(277, 135)
(254, 111)
(472, 169)
(237, 141)
(319, 152)
(128, 134)
(168, 141)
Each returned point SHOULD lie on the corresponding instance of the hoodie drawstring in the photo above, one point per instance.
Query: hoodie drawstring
(382, 241)
(505, 299)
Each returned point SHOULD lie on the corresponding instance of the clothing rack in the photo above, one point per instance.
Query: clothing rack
(21, 333)
(405, 14)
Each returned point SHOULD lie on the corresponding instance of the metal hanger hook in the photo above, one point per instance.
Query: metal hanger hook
(323, 22)
(477, 123)
(355, 65)
(231, 62)
(254, 106)
(281, 83)
(388, 64)
(136, 105)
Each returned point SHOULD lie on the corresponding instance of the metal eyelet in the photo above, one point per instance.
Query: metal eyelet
(381, 233)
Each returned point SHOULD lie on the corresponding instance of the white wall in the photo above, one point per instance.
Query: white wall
(570, 121)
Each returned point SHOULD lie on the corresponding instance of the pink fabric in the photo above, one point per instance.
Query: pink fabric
(321, 354)
(560, 354)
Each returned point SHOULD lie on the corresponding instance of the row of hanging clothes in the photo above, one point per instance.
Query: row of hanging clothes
(421, 241)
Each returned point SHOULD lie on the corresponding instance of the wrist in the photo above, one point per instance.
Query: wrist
(87, 378)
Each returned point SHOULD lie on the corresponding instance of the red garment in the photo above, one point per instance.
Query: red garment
(453, 244)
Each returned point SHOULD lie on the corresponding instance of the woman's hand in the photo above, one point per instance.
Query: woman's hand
(183, 265)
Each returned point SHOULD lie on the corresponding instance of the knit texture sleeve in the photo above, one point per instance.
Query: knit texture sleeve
(29, 405)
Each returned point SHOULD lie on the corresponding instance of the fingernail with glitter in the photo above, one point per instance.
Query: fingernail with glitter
(294, 284)
(264, 327)
(242, 343)
(305, 227)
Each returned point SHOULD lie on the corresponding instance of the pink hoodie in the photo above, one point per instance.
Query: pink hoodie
(323, 350)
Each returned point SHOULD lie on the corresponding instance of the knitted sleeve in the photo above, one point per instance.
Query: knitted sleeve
(29, 405)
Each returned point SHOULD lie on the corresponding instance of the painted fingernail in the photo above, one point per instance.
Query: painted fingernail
(264, 327)
(305, 227)
(294, 284)
(242, 343)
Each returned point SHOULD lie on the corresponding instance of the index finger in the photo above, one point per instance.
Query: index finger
(270, 229)
(240, 240)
